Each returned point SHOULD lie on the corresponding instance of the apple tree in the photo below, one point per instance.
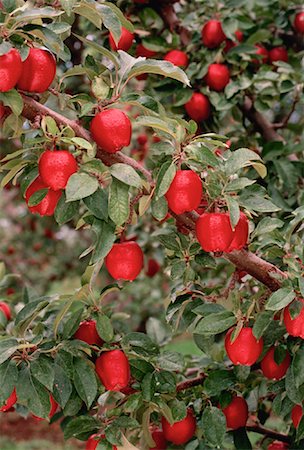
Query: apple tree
(166, 137)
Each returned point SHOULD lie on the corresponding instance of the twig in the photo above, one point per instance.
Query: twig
(269, 433)
(285, 121)
(183, 385)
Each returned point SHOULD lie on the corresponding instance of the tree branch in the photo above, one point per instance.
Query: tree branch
(269, 433)
(190, 383)
(168, 14)
(260, 269)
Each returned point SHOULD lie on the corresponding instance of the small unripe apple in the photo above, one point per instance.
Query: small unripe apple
(94, 440)
(212, 34)
(296, 415)
(12, 399)
(180, 432)
(185, 192)
(198, 107)
(111, 130)
(217, 77)
(277, 445)
(113, 369)
(294, 327)
(53, 409)
(38, 71)
(56, 167)
(10, 70)
(299, 22)
(263, 52)
(153, 268)
(87, 332)
(271, 369)
(4, 307)
(125, 41)
(141, 50)
(178, 58)
(236, 413)
(278, 54)
(246, 349)
(125, 261)
(48, 204)
(159, 439)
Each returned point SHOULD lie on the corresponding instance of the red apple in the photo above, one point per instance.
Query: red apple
(53, 409)
(246, 349)
(153, 268)
(125, 42)
(38, 71)
(125, 261)
(94, 440)
(12, 399)
(299, 22)
(296, 415)
(159, 439)
(141, 50)
(185, 192)
(48, 204)
(271, 369)
(294, 327)
(263, 52)
(240, 234)
(4, 307)
(113, 369)
(87, 332)
(10, 70)
(236, 413)
(278, 54)
(212, 34)
(180, 432)
(198, 107)
(277, 445)
(111, 129)
(56, 167)
(217, 77)
(178, 58)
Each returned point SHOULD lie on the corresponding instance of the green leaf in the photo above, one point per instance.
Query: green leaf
(88, 10)
(43, 370)
(105, 233)
(215, 323)
(62, 386)
(157, 67)
(68, 5)
(85, 381)
(279, 299)
(238, 184)
(97, 204)
(31, 309)
(240, 158)
(214, 425)
(234, 211)
(37, 197)
(32, 394)
(148, 387)
(8, 379)
(64, 211)
(80, 185)
(71, 325)
(157, 124)
(164, 178)
(126, 174)
(8, 346)
(140, 343)
(119, 208)
(102, 50)
(263, 320)
(173, 361)
(159, 208)
(80, 425)
(104, 328)
(13, 100)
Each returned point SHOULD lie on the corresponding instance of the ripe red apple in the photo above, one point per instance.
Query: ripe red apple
(239, 35)
(111, 130)
(185, 192)
(212, 34)
(153, 268)
(142, 139)
(263, 52)
(230, 44)
(246, 349)
(277, 445)
(125, 261)
(53, 409)
(12, 399)
(271, 369)
(299, 22)
(113, 369)
(294, 327)
(48, 204)
(141, 50)
(94, 440)
(180, 432)
(217, 77)
(236, 413)
(56, 167)
(87, 332)
(38, 71)
(178, 58)
(278, 54)
(125, 42)
(4, 307)
(10, 70)
(159, 439)
(198, 107)
(296, 415)
(240, 234)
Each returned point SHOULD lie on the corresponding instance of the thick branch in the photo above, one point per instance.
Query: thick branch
(260, 122)
(262, 270)
(269, 433)
(170, 18)
(190, 383)
(32, 109)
